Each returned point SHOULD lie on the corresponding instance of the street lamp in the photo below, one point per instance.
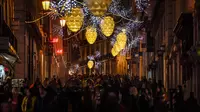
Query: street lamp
(62, 22)
(46, 4)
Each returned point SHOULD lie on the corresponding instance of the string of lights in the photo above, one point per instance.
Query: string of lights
(128, 21)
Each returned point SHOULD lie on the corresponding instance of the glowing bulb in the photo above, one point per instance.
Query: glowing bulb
(90, 64)
(91, 34)
(75, 19)
(113, 52)
(116, 47)
(121, 39)
(107, 26)
(98, 7)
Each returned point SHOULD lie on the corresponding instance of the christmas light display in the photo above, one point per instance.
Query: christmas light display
(107, 26)
(90, 64)
(91, 34)
(98, 7)
(75, 19)
(121, 39)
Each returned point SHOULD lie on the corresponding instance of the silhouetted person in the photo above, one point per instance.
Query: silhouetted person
(191, 103)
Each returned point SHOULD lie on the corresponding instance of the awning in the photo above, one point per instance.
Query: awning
(8, 45)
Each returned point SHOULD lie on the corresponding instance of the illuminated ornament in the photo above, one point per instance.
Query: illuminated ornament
(75, 19)
(122, 38)
(116, 47)
(113, 52)
(107, 26)
(91, 34)
(98, 7)
(46, 4)
(90, 64)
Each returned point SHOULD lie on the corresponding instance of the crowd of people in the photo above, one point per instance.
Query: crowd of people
(95, 94)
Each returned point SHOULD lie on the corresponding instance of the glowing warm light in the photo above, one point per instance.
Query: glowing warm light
(113, 52)
(122, 65)
(75, 19)
(122, 38)
(107, 26)
(90, 64)
(91, 34)
(98, 7)
(62, 22)
(55, 40)
(60, 51)
(46, 4)
(116, 47)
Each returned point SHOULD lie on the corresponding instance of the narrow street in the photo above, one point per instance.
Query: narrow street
(99, 55)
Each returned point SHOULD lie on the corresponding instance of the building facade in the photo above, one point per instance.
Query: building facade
(29, 40)
(75, 55)
(174, 32)
(8, 41)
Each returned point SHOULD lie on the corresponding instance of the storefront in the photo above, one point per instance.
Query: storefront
(8, 53)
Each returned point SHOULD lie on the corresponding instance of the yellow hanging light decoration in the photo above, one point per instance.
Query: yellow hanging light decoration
(91, 34)
(113, 52)
(75, 19)
(107, 26)
(90, 64)
(122, 38)
(98, 7)
(116, 47)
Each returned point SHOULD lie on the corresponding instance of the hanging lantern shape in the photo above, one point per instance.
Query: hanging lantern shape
(116, 47)
(91, 34)
(62, 22)
(122, 38)
(107, 26)
(90, 64)
(113, 52)
(46, 4)
(75, 19)
(98, 7)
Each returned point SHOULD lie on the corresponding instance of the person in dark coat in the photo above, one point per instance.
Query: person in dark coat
(87, 100)
(133, 106)
(192, 105)
(143, 102)
(111, 104)
(43, 101)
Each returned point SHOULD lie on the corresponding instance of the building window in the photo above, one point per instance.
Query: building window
(97, 47)
(87, 51)
(108, 47)
(105, 47)
(102, 48)
(107, 67)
